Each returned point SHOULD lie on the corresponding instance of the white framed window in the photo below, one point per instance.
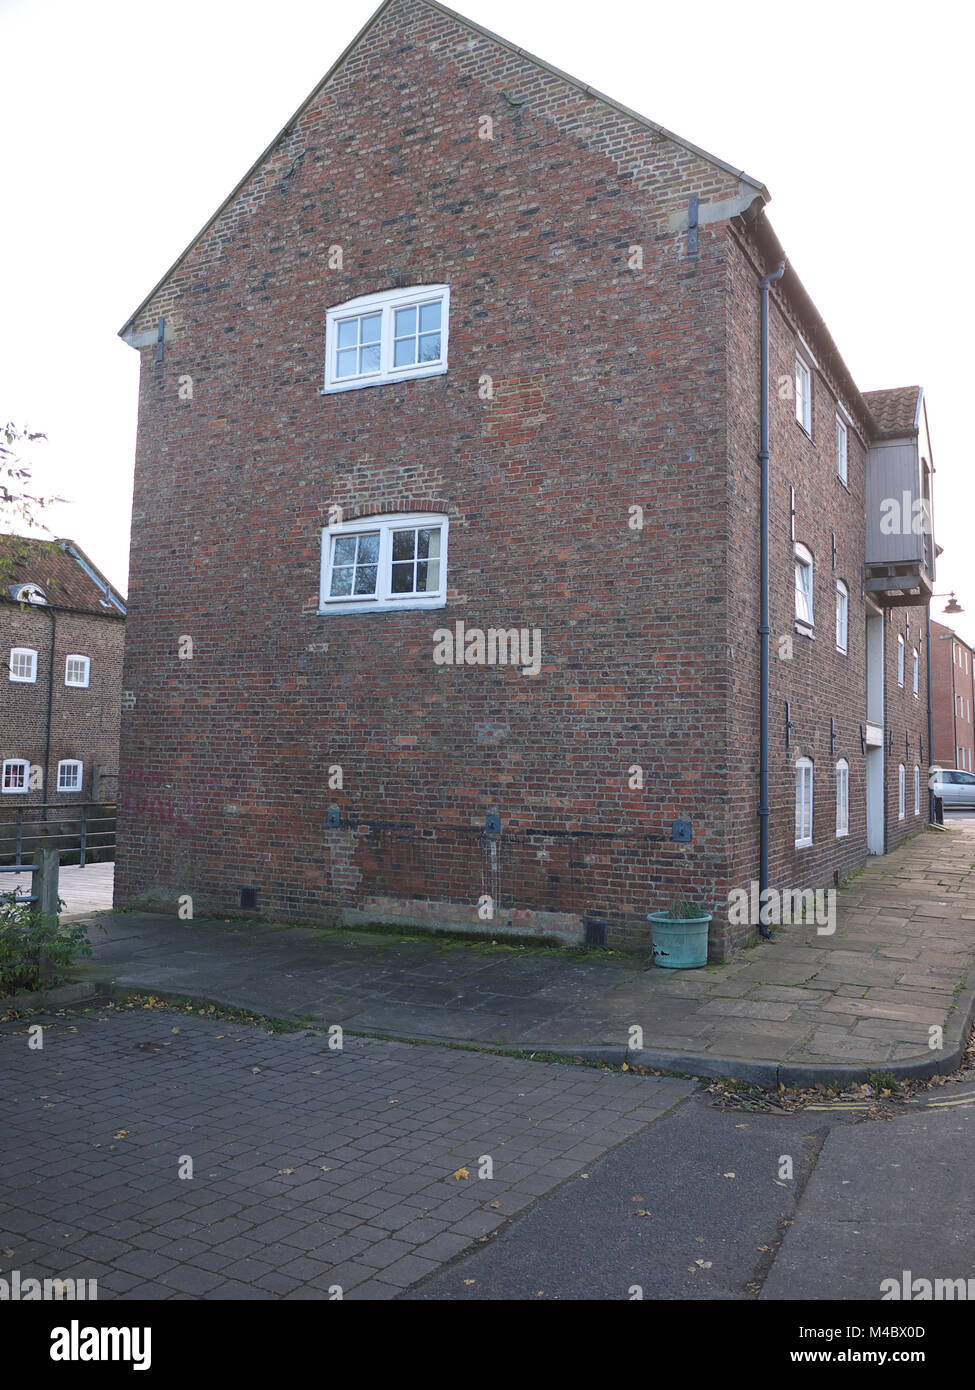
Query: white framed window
(917, 674)
(842, 798)
(391, 336)
(804, 803)
(917, 790)
(23, 665)
(77, 670)
(70, 773)
(380, 563)
(803, 394)
(842, 450)
(900, 659)
(804, 585)
(842, 616)
(901, 791)
(15, 776)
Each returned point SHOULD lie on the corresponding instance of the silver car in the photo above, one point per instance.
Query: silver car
(956, 788)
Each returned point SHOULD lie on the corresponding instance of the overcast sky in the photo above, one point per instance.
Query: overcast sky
(125, 123)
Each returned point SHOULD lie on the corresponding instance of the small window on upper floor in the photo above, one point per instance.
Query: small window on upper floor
(900, 659)
(385, 562)
(70, 773)
(917, 674)
(804, 394)
(842, 450)
(901, 791)
(23, 664)
(15, 776)
(392, 336)
(804, 586)
(77, 670)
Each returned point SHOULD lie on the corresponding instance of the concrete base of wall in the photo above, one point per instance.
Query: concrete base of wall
(562, 928)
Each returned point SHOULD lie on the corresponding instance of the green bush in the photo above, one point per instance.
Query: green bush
(681, 909)
(34, 952)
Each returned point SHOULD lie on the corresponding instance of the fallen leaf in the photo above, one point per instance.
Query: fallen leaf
(624, 1067)
(727, 1175)
(468, 1282)
(255, 1070)
(641, 1211)
(495, 1205)
(176, 1030)
(638, 1199)
(703, 1264)
(285, 1172)
(461, 1173)
(121, 1134)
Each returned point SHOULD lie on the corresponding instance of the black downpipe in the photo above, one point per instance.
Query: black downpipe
(50, 706)
(764, 629)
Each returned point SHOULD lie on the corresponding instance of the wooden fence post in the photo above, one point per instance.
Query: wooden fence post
(44, 887)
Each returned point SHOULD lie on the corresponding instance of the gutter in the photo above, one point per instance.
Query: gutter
(764, 629)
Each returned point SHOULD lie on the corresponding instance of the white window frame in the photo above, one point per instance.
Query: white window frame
(917, 790)
(842, 451)
(77, 656)
(916, 673)
(74, 763)
(383, 601)
(901, 649)
(23, 651)
(842, 617)
(15, 762)
(386, 303)
(901, 791)
(803, 560)
(804, 803)
(842, 798)
(804, 394)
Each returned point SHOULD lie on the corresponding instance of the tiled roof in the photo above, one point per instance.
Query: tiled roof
(49, 564)
(895, 411)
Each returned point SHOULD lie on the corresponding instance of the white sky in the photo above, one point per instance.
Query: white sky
(126, 122)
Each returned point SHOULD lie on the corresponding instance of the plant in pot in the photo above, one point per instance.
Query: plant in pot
(680, 935)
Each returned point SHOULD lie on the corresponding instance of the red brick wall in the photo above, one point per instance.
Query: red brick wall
(819, 682)
(84, 721)
(608, 395)
(950, 679)
(611, 392)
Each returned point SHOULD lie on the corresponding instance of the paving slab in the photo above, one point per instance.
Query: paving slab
(903, 951)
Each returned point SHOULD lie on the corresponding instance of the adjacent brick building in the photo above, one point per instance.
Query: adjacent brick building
(952, 699)
(62, 634)
(445, 583)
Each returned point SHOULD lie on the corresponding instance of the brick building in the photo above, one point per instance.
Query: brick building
(952, 699)
(446, 594)
(62, 632)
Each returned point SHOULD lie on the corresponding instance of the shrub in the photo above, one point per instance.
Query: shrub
(34, 951)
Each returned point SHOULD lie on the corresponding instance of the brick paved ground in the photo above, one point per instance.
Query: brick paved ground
(312, 1168)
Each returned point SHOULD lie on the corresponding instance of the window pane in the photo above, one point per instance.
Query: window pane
(403, 544)
(370, 326)
(365, 579)
(344, 552)
(341, 582)
(404, 353)
(429, 317)
(430, 347)
(369, 548)
(405, 322)
(428, 576)
(345, 363)
(403, 577)
(369, 359)
(348, 329)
